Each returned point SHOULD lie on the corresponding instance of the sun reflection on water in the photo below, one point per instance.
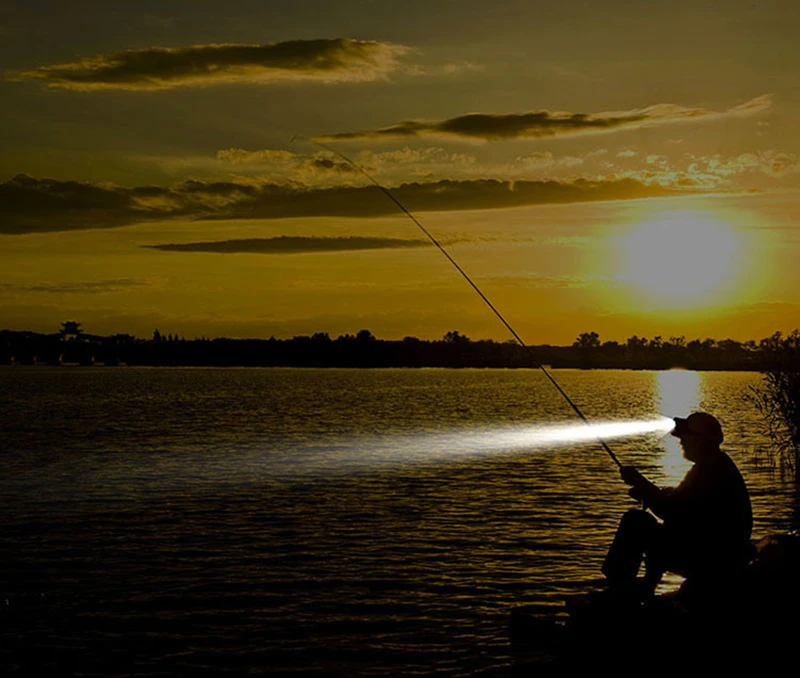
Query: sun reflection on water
(678, 394)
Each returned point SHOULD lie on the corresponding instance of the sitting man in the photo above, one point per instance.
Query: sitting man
(707, 518)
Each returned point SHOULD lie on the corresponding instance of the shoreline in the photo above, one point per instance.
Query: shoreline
(562, 368)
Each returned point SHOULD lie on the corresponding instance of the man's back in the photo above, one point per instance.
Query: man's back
(710, 511)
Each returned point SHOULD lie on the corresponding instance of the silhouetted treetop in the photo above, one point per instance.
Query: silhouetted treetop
(364, 349)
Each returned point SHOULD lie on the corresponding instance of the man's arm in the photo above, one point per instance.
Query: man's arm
(656, 499)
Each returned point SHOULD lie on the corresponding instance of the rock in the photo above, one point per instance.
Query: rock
(746, 623)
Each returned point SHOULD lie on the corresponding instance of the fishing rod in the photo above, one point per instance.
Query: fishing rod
(466, 277)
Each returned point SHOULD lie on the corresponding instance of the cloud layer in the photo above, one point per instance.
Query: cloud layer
(290, 245)
(324, 60)
(536, 124)
(32, 205)
(302, 166)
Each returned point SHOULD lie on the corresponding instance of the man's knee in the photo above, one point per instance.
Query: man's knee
(637, 519)
(639, 525)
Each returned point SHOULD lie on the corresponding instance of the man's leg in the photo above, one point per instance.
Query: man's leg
(637, 534)
(664, 553)
(655, 563)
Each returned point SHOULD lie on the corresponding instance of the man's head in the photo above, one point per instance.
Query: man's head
(700, 435)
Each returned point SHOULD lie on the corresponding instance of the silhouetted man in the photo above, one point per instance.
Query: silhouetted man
(707, 518)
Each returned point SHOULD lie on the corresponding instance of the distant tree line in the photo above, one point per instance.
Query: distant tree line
(71, 344)
(676, 351)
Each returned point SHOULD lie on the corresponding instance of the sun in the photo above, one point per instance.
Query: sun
(681, 259)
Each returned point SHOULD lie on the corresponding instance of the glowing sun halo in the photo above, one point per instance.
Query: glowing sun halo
(680, 259)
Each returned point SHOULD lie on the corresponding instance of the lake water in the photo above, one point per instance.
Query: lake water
(319, 522)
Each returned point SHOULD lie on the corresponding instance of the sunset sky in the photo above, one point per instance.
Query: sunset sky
(621, 166)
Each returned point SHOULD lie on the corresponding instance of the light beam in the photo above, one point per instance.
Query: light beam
(367, 453)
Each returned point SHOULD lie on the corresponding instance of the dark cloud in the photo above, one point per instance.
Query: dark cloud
(29, 205)
(290, 245)
(324, 60)
(330, 165)
(534, 124)
(490, 127)
(302, 167)
(92, 287)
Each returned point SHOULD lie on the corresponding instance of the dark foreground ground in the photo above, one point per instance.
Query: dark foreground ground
(748, 626)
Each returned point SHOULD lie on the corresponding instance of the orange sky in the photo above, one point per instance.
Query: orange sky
(628, 168)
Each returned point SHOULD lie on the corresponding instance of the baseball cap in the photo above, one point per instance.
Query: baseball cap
(699, 424)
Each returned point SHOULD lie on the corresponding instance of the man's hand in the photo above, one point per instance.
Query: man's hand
(636, 494)
(631, 476)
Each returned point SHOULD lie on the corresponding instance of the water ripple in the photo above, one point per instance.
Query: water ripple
(170, 522)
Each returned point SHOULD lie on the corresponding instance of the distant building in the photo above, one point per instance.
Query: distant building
(70, 331)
